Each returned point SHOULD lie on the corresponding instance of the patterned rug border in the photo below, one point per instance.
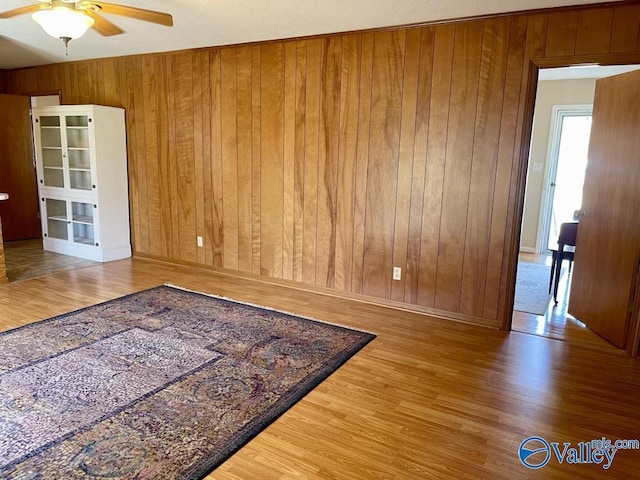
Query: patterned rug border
(243, 436)
(270, 309)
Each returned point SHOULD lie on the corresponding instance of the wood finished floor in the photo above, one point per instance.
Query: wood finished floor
(427, 399)
(26, 259)
(556, 323)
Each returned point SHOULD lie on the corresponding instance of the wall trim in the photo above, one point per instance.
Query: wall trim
(356, 297)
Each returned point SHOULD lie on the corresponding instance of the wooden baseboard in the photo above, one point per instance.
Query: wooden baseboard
(356, 297)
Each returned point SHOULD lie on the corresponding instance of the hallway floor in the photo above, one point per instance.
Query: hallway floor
(26, 259)
(556, 323)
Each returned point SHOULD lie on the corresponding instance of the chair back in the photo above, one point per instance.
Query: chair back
(568, 233)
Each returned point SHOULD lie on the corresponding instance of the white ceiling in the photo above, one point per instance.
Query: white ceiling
(201, 23)
(584, 71)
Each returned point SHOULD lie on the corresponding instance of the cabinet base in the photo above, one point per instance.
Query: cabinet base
(88, 252)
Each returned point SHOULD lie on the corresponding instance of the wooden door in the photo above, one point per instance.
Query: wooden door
(607, 250)
(17, 173)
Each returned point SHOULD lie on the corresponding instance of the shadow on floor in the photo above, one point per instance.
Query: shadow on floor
(26, 259)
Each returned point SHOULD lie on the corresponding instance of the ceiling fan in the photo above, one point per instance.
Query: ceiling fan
(70, 19)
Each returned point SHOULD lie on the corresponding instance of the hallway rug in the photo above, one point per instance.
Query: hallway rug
(163, 384)
(532, 288)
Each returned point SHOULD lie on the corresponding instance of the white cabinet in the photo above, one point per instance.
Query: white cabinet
(81, 163)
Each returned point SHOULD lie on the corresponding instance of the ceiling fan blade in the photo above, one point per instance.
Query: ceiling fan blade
(21, 11)
(138, 13)
(103, 26)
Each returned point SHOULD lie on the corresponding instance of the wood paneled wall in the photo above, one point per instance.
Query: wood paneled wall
(328, 161)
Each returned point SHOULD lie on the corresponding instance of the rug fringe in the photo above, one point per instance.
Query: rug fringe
(286, 312)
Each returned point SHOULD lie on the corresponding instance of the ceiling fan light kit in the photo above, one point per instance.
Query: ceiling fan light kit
(63, 22)
(69, 19)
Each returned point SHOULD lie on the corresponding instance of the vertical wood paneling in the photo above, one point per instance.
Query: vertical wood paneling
(594, 31)
(255, 155)
(299, 158)
(289, 165)
(347, 152)
(137, 182)
(142, 220)
(330, 160)
(460, 141)
(71, 83)
(423, 101)
(561, 34)
(206, 230)
(183, 68)
(382, 174)
(245, 164)
(229, 158)
(436, 154)
(625, 29)
(362, 162)
(484, 163)
(164, 181)
(315, 55)
(150, 98)
(172, 161)
(217, 171)
(199, 85)
(271, 154)
(328, 139)
(111, 95)
(405, 159)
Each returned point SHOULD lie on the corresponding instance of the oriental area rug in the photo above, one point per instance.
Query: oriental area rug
(160, 384)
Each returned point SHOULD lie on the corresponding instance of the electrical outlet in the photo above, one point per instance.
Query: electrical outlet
(397, 273)
(200, 242)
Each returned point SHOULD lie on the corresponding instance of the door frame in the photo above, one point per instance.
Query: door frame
(512, 237)
(558, 113)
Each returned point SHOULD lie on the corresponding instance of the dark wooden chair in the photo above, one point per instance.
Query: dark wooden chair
(566, 238)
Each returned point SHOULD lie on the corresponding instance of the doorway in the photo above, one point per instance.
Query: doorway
(554, 189)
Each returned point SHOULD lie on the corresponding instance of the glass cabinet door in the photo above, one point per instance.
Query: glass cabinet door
(70, 220)
(65, 152)
(57, 219)
(83, 221)
(52, 152)
(77, 133)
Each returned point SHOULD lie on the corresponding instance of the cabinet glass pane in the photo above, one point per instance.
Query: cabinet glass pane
(52, 157)
(77, 120)
(50, 121)
(82, 212)
(80, 179)
(50, 137)
(77, 137)
(79, 159)
(57, 219)
(83, 233)
(53, 177)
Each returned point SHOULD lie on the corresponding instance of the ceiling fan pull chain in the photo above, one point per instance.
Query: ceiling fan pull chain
(65, 40)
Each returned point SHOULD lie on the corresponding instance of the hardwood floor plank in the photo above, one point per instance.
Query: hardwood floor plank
(426, 399)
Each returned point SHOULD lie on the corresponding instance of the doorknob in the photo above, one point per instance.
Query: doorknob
(578, 214)
(553, 184)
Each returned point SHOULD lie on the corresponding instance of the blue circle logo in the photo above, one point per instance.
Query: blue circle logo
(534, 452)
